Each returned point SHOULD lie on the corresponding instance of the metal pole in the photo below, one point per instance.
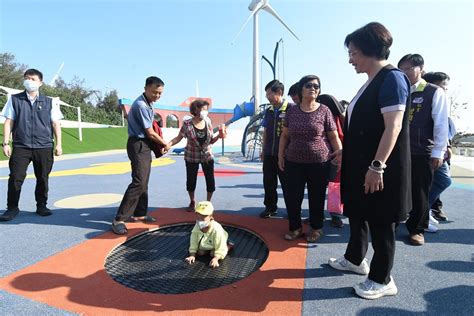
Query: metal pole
(256, 62)
(79, 122)
(222, 147)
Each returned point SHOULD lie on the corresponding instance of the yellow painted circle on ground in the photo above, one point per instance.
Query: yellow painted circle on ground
(89, 200)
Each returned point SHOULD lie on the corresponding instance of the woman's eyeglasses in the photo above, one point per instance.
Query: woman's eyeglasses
(310, 85)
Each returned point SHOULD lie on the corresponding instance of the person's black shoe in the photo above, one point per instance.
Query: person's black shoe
(43, 211)
(267, 213)
(9, 214)
(439, 215)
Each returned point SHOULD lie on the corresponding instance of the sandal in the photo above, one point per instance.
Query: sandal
(119, 228)
(314, 235)
(146, 219)
(294, 234)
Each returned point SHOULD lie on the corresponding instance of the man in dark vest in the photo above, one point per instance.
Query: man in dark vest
(272, 124)
(31, 119)
(428, 138)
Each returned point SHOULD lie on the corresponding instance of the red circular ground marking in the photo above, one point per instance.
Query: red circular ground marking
(225, 173)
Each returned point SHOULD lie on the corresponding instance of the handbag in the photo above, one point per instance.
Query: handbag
(334, 205)
(155, 147)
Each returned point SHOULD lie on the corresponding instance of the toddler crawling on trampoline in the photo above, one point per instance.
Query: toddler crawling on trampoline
(208, 236)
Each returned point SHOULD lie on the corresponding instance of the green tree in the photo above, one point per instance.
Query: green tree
(109, 102)
(103, 111)
(11, 74)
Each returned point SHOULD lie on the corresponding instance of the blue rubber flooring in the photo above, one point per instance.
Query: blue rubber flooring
(435, 279)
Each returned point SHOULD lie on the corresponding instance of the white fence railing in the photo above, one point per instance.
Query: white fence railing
(464, 151)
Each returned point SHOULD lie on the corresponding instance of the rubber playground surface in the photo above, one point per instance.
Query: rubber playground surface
(55, 265)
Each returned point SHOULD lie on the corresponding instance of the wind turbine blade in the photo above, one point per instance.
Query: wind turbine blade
(270, 10)
(57, 74)
(254, 11)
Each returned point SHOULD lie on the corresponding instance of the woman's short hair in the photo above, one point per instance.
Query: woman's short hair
(373, 40)
(196, 105)
(304, 80)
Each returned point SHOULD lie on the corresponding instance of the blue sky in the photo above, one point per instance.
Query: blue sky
(117, 44)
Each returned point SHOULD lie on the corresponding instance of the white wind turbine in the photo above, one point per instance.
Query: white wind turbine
(53, 80)
(255, 6)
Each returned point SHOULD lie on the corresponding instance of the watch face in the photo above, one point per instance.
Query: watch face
(377, 164)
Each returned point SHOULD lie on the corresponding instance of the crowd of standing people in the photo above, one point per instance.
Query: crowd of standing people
(388, 152)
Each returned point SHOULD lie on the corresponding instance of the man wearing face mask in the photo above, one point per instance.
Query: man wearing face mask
(31, 120)
(134, 205)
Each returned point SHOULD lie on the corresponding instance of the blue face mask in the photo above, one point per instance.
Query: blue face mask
(30, 85)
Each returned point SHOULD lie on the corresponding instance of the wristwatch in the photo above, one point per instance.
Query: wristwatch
(377, 164)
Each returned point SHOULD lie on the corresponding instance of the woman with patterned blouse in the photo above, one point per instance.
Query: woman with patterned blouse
(308, 142)
(198, 150)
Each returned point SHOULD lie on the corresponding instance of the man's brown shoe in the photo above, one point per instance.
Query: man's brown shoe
(417, 239)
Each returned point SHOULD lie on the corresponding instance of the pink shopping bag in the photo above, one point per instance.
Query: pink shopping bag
(334, 205)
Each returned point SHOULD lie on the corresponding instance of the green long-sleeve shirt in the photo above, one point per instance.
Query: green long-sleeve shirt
(215, 239)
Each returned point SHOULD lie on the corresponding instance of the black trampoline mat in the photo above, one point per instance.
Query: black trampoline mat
(154, 261)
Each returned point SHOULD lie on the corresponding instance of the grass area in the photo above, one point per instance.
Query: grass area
(93, 139)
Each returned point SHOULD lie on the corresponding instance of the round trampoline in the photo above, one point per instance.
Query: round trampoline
(154, 261)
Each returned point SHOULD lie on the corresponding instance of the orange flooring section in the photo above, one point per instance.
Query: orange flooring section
(75, 280)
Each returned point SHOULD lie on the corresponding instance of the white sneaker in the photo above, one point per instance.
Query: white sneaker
(344, 265)
(372, 290)
(433, 220)
(431, 228)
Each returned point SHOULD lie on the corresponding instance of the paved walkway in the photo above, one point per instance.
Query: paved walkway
(85, 191)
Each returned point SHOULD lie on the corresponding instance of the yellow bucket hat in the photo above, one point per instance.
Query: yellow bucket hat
(204, 208)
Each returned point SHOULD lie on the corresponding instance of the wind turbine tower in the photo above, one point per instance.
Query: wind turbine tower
(255, 6)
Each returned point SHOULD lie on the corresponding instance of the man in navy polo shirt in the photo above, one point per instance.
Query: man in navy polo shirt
(31, 119)
(134, 204)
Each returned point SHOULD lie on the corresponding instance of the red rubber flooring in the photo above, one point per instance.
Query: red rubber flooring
(75, 280)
